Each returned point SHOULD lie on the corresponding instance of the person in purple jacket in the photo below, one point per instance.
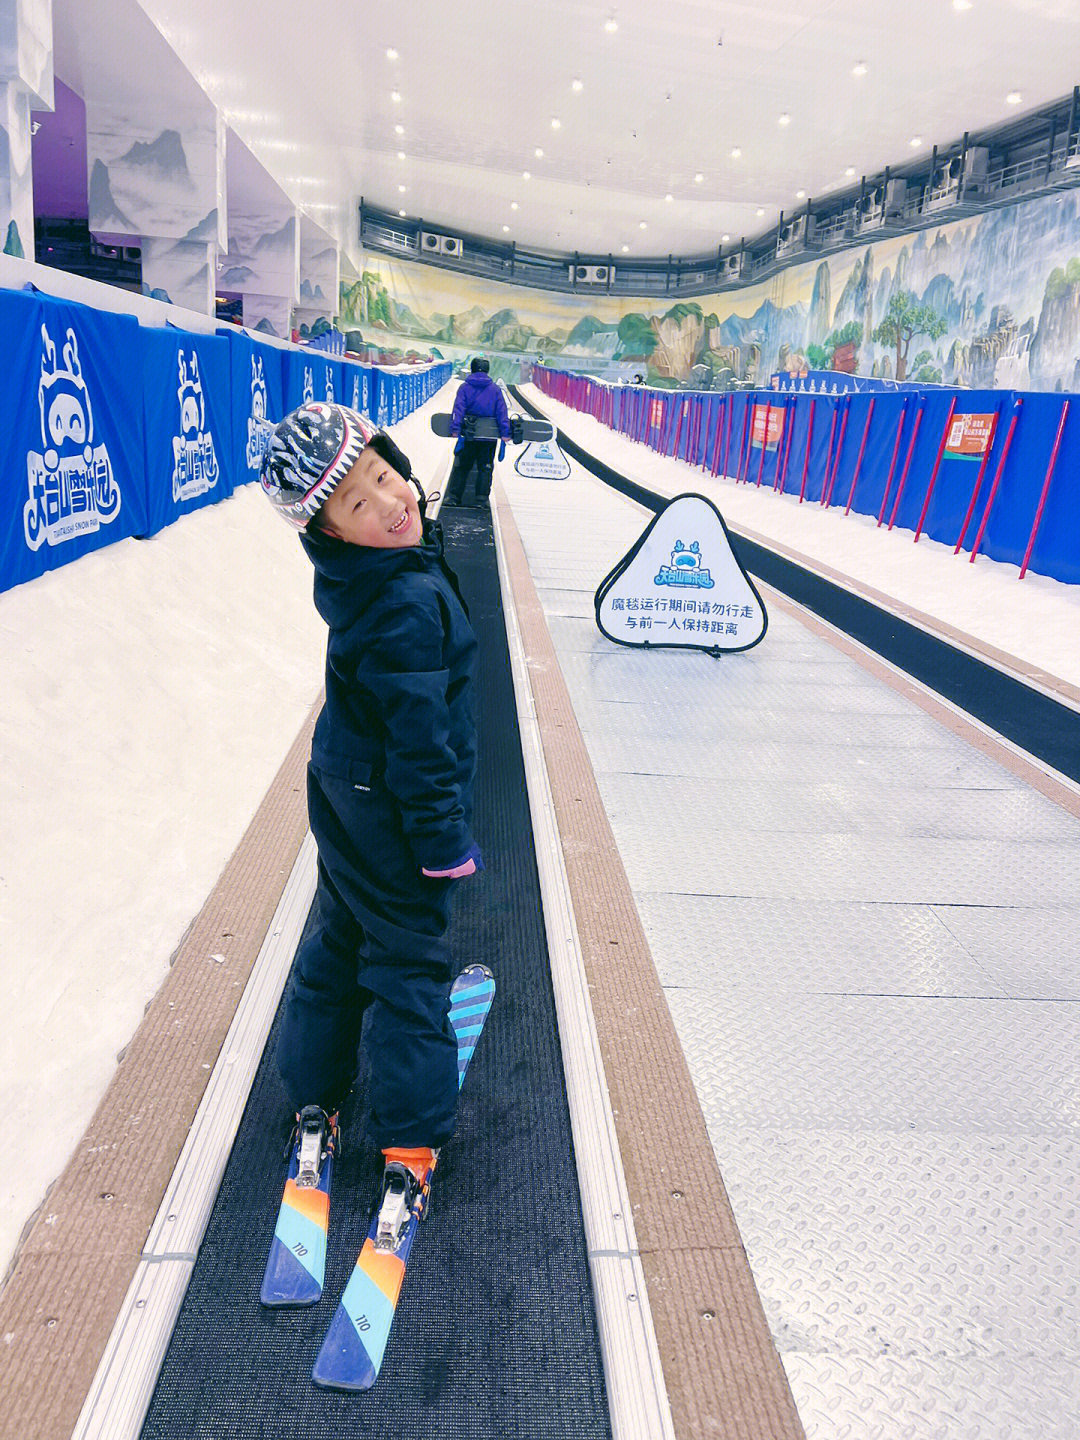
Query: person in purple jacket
(478, 397)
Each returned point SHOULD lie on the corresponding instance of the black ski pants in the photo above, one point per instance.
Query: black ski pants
(379, 950)
(478, 453)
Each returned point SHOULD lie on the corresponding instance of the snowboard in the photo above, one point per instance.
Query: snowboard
(485, 427)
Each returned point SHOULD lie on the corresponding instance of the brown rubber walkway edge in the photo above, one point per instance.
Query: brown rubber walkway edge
(724, 1377)
(75, 1264)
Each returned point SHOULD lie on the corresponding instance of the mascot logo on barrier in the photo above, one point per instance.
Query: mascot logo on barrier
(309, 386)
(258, 426)
(356, 393)
(685, 568)
(195, 465)
(329, 386)
(72, 487)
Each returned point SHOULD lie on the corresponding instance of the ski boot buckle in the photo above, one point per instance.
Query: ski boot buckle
(400, 1191)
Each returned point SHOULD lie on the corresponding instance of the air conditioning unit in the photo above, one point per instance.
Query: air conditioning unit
(895, 198)
(591, 274)
(796, 235)
(733, 265)
(976, 168)
(870, 210)
(944, 187)
(433, 244)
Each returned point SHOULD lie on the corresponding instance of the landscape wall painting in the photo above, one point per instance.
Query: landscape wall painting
(992, 301)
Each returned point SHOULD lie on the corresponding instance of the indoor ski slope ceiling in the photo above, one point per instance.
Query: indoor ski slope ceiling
(578, 125)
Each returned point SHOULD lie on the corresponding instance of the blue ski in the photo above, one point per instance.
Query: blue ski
(297, 1262)
(352, 1352)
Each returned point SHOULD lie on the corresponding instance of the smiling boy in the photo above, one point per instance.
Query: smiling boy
(389, 786)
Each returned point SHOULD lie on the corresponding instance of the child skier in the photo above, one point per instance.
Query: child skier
(389, 789)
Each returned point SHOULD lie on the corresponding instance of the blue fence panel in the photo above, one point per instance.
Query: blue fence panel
(1013, 513)
(73, 433)
(191, 455)
(256, 395)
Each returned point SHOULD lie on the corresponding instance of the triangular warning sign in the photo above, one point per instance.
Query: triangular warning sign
(681, 585)
(543, 460)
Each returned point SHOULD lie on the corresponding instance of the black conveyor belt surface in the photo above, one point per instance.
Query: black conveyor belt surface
(1043, 726)
(495, 1334)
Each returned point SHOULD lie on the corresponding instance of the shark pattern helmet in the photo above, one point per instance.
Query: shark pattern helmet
(310, 453)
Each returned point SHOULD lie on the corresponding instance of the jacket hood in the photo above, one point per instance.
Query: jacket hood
(479, 380)
(349, 577)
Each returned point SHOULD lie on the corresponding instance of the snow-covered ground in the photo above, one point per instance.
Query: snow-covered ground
(151, 691)
(1035, 619)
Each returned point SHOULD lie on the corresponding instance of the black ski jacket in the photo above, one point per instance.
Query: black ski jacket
(399, 665)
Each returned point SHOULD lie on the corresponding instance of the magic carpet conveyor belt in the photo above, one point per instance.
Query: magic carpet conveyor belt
(495, 1333)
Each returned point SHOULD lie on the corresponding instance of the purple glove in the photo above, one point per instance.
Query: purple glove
(469, 864)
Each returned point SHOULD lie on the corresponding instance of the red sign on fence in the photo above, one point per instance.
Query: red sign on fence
(968, 436)
(775, 414)
(656, 413)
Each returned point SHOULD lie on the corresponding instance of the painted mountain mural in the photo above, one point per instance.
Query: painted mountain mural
(992, 301)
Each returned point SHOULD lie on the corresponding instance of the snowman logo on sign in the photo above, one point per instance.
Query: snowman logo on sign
(258, 427)
(195, 466)
(71, 487)
(685, 568)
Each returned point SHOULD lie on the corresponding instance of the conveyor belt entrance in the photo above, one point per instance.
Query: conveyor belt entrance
(495, 1332)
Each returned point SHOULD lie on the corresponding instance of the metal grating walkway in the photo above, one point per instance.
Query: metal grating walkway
(866, 929)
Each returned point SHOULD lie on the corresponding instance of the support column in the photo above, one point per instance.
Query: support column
(262, 263)
(320, 271)
(26, 81)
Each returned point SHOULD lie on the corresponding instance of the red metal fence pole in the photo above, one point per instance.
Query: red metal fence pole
(937, 467)
(730, 428)
(978, 481)
(747, 414)
(892, 462)
(859, 458)
(828, 450)
(907, 464)
(826, 497)
(997, 480)
(720, 416)
(1045, 489)
(784, 448)
(806, 457)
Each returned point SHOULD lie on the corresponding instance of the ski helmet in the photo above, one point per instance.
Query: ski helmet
(479, 365)
(310, 453)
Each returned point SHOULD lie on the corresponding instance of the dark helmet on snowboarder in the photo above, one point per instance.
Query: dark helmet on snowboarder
(479, 362)
(313, 449)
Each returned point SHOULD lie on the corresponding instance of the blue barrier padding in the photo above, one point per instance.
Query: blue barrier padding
(72, 441)
(358, 387)
(191, 455)
(256, 395)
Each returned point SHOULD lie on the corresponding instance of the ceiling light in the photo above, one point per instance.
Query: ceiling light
(669, 197)
(916, 141)
(642, 225)
(513, 204)
(395, 96)
(401, 155)
(800, 194)
(1013, 98)
(859, 69)
(538, 153)
(724, 239)
(611, 25)
(577, 86)
(736, 154)
(626, 249)
(961, 4)
(399, 129)
(401, 189)
(402, 214)
(526, 175)
(556, 124)
(506, 229)
(784, 120)
(698, 178)
(760, 211)
(392, 54)
(850, 171)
